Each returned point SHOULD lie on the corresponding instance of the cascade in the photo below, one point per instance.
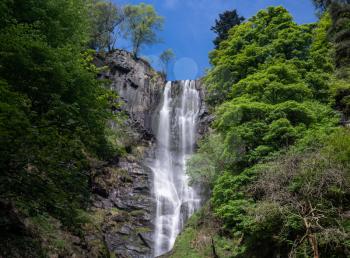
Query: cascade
(176, 136)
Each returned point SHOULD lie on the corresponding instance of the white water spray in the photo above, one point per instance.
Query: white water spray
(176, 200)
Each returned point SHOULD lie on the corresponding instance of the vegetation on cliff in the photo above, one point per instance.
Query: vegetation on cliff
(54, 116)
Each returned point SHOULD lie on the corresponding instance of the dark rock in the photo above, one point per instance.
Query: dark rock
(136, 83)
(133, 83)
(128, 232)
(120, 218)
(131, 195)
(99, 190)
(134, 248)
(147, 238)
(115, 160)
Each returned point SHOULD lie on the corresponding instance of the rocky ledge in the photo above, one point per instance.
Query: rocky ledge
(123, 204)
(136, 82)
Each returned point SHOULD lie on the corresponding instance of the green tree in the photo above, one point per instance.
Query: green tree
(208, 163)
(340, 33)
(269, 88)
(53, 110)
(165, 59)
(324, 4)
(141, 25)
(226, 21)
(280, 204)
(270, 40)
(106, 17)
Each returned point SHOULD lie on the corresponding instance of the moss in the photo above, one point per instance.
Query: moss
(97, 217)
(184, 245)
(143, 230)
(18, 244)
(195, 240)
(139, 152)
(137, 213)
(201, 231)
(50, 231)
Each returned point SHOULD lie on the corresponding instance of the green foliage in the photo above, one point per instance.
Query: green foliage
(271, 77)
(270, 47)
(139, 23)
(226, 21)
(106, 17)
(142, 23)
(183, 247)
(165, 59)
(324, 4)
(283, 203)
(253, 130)
(53, 110)
(340, 32)
(61, 22)
(284, 189)
(208, 162)
(274, 84)
(340, 96)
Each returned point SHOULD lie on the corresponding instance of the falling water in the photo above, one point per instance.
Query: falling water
(176, 200)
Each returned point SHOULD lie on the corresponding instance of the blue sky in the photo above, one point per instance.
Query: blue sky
(187, 28)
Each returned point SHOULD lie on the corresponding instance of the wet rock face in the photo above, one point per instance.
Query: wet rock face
(136, 83)
(204, 117)
(123, 188)
(141, 89)
(123, 197)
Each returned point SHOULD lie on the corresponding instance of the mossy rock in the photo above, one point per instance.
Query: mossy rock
(137, 213)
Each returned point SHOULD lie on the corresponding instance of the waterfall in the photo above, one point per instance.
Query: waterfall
(176, 136)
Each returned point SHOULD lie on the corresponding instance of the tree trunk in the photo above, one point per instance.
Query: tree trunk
(314, 246)
(213, 249)
(312, 239)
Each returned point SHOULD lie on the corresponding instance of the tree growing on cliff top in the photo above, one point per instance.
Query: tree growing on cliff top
(106, 17)
(165, 59)
(141, 25)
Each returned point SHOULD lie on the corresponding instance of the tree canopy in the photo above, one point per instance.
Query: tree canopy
(269, 40)
(226, 21)
(324, 4)
(272, 147)
(165, 57)
(53, 110)
(106, 17)
(141, 25)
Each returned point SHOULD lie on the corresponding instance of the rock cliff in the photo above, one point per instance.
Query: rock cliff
(123, 201)
(123, 187)
(136, 82)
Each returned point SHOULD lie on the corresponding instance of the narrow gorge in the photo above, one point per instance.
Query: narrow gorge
(170, 117)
